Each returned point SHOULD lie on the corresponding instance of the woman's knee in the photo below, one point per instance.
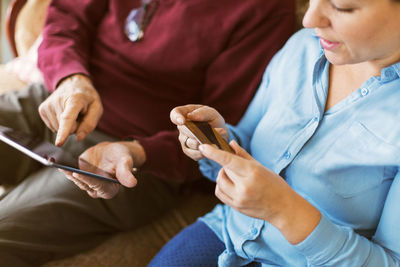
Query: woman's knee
(196, 245)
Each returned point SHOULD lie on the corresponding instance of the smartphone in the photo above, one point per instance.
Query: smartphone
(205, 134)
(51, 155)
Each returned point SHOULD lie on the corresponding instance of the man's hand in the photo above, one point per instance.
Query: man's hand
(116, 158)
(75, 107)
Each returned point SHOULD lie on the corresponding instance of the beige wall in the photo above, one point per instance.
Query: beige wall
(5, 54)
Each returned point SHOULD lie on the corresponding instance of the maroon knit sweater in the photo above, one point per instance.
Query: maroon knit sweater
(212, 52)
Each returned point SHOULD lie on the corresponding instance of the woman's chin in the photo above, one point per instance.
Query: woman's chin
(336, 59)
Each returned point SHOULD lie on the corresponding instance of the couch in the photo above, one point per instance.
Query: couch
(25, 20)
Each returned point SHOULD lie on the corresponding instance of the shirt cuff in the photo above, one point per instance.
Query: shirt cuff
(209, 168)
(323, 243)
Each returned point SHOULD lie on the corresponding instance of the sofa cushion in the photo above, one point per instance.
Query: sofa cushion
(9, 80)
(138, 247)
(25, 66)
(29, 24)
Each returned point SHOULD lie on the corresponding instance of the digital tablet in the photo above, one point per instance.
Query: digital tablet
(51, 155)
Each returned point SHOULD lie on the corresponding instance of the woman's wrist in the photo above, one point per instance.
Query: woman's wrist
(297, 219)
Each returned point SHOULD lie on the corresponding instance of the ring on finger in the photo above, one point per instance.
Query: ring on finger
(185, 143)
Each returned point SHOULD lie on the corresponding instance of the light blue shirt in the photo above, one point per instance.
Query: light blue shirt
(344, 161)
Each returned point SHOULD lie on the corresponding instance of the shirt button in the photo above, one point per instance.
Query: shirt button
(287, 155)
(364, 91)
(315, 119)
(389, 73)
(254, 231)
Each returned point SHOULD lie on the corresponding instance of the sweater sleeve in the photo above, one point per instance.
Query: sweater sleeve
(230, 83)
(69, 28)
(333, 245)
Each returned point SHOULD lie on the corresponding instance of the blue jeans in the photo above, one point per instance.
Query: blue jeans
(194, 246)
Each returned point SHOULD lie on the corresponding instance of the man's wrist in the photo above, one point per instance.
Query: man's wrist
(137, 152)
(75, 78)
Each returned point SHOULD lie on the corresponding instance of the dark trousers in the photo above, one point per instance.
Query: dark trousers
(43, 215)
(195, 246)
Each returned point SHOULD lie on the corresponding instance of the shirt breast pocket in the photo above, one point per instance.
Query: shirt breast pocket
(357, 162)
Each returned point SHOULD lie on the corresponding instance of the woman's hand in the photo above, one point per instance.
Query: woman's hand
(75, 107)
(250, 188)
(118, 159)
(196, 113)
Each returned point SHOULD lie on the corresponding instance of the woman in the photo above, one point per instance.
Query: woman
(321, 184)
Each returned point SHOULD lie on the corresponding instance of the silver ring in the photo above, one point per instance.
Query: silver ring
(185, 143)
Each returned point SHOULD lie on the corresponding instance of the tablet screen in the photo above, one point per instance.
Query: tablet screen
(51, 155)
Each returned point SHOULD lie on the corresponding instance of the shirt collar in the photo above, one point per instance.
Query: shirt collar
(396, 68)
(390, 73)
